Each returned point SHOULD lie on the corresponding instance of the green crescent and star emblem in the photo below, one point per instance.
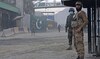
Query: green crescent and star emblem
(39, 24)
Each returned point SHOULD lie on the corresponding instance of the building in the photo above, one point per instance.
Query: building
(8, 11)
(12, 2)
(26, 8)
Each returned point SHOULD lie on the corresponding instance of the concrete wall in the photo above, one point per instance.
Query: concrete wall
(25, 21)
(19, 4)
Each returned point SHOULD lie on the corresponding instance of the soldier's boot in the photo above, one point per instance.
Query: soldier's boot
(80, 57)
(69, 48)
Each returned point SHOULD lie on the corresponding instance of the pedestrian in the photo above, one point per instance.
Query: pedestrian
(69, 28)
(59, 27)
(79, 22)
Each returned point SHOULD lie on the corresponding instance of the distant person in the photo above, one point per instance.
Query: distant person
(59, 27)
(69, 28)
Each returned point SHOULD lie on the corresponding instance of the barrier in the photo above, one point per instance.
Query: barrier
(14, 30)
(26, 30)
(6, 32)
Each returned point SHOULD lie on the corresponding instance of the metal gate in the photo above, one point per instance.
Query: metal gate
(94, 29)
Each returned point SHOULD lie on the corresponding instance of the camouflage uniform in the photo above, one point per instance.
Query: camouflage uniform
(80, 20)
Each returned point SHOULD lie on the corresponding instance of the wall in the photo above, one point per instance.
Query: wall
(25, 21)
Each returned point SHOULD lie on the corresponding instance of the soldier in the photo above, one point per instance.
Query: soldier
(79, 22)
(69, 28)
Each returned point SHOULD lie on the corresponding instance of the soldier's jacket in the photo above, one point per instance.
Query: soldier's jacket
(68, 20)
(80, 20)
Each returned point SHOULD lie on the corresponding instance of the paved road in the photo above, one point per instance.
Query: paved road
(33, 48)
(45, 46)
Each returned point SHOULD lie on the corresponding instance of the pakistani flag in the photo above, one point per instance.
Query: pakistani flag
(38, 23)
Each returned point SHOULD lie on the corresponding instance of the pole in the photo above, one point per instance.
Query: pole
(89, 30)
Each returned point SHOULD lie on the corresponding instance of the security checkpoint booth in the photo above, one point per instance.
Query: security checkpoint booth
(93, 11)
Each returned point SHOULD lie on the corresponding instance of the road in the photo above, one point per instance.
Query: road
(51, 47)
(38, 48)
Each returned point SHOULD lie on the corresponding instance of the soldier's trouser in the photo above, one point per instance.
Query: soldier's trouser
(79, 44)
(70, 36)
